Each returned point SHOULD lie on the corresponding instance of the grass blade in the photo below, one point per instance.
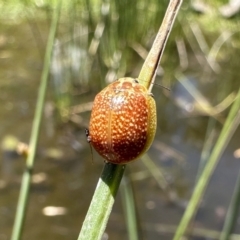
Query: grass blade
(228, 129)
(101, 206)
(149, 68)
(26, 180)
(232, 212)
(128, 200)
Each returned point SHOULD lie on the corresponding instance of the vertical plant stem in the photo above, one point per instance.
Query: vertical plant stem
(229, 127)
(129, 207)
(26, 180)
(101, 205)
(207, 147)
(149, 68)
(232, 213)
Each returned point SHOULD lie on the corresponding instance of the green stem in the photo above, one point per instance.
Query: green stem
(232, 212)
(228, 129)
(129, 207)
(101, 206)
(207, 147)
(27, 175)
(149, 68)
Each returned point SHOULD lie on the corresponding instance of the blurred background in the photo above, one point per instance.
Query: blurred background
(98, 42)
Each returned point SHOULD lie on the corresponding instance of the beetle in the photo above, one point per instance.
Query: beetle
(123, 121)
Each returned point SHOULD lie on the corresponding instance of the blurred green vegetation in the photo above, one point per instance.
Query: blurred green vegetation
(116, 35)
(100, 41)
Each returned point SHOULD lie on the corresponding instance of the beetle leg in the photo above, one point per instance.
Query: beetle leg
(87, 135)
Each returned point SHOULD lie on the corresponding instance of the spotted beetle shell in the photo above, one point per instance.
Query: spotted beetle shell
(123, 121)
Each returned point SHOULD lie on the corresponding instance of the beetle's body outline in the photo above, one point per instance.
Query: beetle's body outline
(123, 121)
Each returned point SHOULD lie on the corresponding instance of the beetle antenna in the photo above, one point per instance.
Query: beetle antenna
(153, 83)
(91, 152)
(162, 86)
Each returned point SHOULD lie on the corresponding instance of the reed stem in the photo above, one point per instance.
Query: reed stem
(27, 175)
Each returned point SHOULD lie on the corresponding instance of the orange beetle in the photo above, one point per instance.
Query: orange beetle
(123, 121)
